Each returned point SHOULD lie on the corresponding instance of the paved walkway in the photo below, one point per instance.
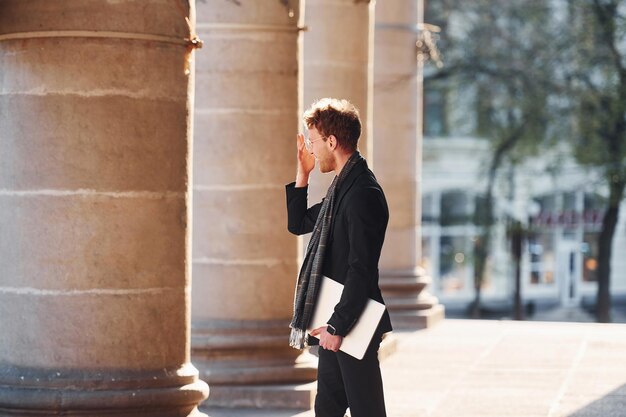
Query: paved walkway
(463, 368)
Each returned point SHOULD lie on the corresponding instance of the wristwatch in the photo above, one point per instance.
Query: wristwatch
(331, 329)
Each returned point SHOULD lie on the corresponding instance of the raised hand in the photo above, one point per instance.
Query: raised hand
(306, 162)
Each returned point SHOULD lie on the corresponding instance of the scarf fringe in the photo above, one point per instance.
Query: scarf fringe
(298, 339)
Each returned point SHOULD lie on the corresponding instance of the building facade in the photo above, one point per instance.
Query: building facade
(561, 210)
(469, 111)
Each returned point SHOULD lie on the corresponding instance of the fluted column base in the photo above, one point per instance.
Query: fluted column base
(101, 393)
(250, 364)
(410, 306)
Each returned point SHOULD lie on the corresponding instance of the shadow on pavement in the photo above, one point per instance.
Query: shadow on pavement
(611, 405)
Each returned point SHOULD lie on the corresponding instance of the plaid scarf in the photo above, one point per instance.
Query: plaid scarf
(310, 275)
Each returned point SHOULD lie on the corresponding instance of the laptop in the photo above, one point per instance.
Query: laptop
(355, 343)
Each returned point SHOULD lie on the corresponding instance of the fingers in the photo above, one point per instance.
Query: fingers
(329, 346)
(327, 341)
(300, 141)
(317, 331)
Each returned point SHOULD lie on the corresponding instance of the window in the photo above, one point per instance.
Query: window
(429, 210)
(594, 207)
(455, 208)
(454, 263)
(589, 248)
(449, 234)
(542, 257)
(434, 112)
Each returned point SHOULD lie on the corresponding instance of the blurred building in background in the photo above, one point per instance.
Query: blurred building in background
(562, 210)
(560, 203)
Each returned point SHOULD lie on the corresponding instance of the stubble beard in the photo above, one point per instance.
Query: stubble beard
(325, 166)
(325, 161)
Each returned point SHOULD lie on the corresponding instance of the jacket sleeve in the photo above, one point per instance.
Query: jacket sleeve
(300, 220)
(366, 218)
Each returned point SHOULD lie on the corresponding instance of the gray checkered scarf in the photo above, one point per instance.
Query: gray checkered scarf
(310, 275)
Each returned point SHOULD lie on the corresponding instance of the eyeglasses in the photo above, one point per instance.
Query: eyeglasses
(309, 143)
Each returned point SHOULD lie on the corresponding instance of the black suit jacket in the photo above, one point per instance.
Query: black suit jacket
(360, 219)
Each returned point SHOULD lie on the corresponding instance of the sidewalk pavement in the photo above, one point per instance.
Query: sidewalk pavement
(463, 368)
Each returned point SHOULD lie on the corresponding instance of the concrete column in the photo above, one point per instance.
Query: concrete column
(94, 273)
(397, 140)
(339, 66)
(244, 260)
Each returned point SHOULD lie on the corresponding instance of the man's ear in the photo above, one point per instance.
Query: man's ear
(332, 142)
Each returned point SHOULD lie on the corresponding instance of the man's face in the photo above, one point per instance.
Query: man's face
(320, 149)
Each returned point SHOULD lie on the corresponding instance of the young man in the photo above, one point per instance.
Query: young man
(348, 232)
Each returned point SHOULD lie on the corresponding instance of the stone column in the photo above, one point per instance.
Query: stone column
(94, 273)
(397, 140)
(244, 260)
(339, 66)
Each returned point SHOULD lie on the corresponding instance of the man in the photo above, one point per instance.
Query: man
(348, 232)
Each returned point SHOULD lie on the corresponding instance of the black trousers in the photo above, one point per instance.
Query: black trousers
(344, 381)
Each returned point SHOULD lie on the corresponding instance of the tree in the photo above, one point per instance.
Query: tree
(494, 50)
(546, 71)
(597, 86)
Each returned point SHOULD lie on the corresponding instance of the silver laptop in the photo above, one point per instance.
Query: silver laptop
(358, 339)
